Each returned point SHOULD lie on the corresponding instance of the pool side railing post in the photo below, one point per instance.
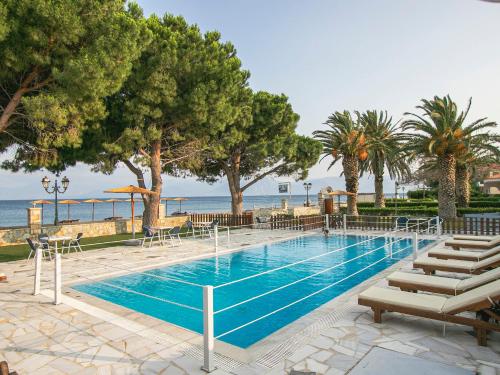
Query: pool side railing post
(327, 222)
(344, 219)
(415, 245)
(216, 238)
(438, 227)
(388, 239)
(208, 329)
(57, 279)
(38, 271)
(228, 237)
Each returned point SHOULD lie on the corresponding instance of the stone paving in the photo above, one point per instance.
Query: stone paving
(85, 335)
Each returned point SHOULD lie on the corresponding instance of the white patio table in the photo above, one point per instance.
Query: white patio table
(160, 232)
(56, 239)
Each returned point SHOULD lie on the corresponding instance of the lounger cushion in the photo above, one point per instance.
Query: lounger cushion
(482, 244)
(424, 280)
(472, 255)
(452, 263)
(486, 262)
(462, 301)
(481, 279)
(419, 301)
(474, 238)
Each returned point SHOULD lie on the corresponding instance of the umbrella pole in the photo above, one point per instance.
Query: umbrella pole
(41, 222)
(68, 211)
(113, 209)
(93, 204)
(133, 226)
(166, 208)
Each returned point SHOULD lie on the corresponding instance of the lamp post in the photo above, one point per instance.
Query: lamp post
(307, 186)
(55, 189)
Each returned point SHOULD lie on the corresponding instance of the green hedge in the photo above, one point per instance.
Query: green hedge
(419, 194)
(473, 210)
(483, 203)
(402, 204)
(413, 211)
(430, 204)
(410, 211)
(494, 198)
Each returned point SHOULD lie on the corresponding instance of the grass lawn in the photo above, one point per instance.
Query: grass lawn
(16, 252)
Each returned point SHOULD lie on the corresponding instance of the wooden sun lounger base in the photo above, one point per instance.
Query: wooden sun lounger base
(481, 327)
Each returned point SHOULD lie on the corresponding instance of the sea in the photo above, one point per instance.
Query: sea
(13, 212)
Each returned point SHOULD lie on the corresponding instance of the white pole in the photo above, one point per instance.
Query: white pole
(208, 329)
(344, 218)
(327, 221)
(38, 271)
(389, 240)
(415, 245)
(57, 279)
(228, 236)
(438, 227)
(216, 237)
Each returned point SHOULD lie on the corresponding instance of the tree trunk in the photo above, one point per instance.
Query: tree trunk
(463, 185)
(152, 202)
(10, 108)
(233, 179)
(14, 101)
(379, 191)
(351, 174)
(446, 193)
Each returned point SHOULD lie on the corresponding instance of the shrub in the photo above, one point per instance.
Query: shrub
(421, 211)
(478, 210)
(482, 203)
(419, 194)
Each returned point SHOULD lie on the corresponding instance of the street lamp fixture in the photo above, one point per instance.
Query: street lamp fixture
(307, 186)
(56, 189)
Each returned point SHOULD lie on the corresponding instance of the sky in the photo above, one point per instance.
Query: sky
(330, 55)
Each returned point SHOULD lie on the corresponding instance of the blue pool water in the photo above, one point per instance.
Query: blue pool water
(251, 261)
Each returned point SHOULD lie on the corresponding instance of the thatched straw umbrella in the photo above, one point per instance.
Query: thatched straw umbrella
(131, 189)
(69, 202)
(41, 202)
(93, 201)
(113, 200)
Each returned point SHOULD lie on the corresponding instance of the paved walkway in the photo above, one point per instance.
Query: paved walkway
(85, 335)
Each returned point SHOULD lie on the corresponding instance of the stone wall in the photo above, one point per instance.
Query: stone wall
(89, 229)
(294, 211)
(303, 211)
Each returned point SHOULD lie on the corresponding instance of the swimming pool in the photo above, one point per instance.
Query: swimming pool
(218, 271)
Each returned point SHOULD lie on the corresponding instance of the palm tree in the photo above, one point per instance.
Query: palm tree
(345, 140)
(443, 136)
(384, 143)
(482, 149)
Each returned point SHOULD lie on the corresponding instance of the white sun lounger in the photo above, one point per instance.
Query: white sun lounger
(441, 308)
(463, 255)
(412, 282)
(457, 244)
(472, 238)
(429, 265)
